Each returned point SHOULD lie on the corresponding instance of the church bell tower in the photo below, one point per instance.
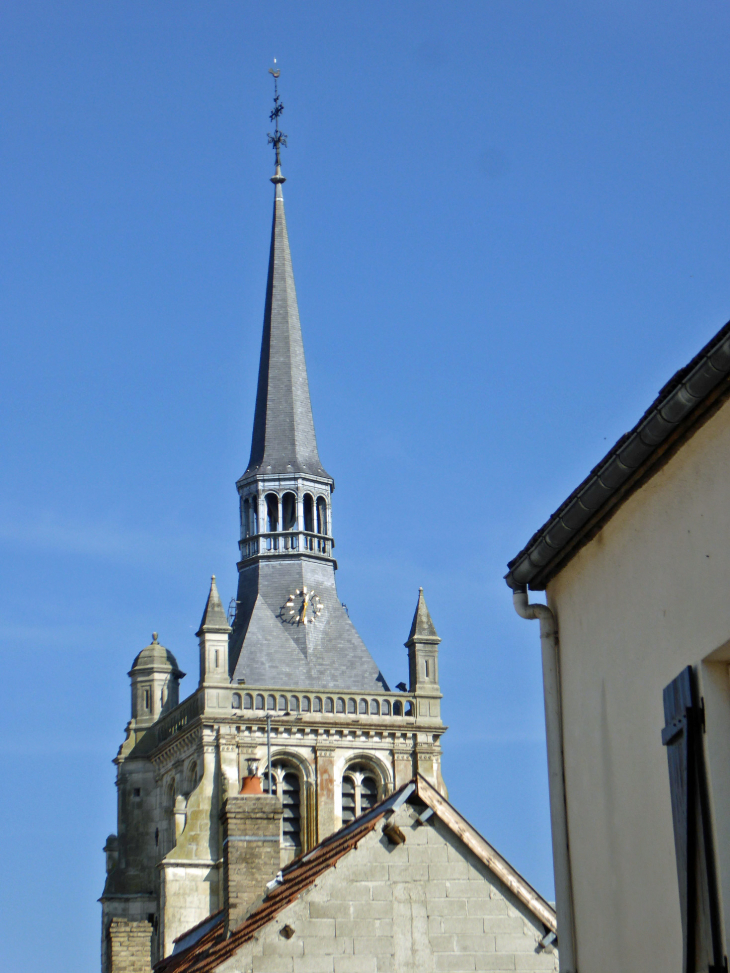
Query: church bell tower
(286, 683)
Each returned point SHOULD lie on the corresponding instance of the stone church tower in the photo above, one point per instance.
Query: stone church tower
(288, 682)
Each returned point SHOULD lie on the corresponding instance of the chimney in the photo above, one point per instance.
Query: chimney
(251, 847)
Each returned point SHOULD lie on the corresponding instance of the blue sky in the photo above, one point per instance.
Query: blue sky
(509, 226)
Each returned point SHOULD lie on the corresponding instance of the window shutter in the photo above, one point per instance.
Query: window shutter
(698, 899)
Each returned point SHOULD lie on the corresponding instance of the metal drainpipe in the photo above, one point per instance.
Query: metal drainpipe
(556, 776)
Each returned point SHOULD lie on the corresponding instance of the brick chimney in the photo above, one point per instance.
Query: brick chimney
(251, 848)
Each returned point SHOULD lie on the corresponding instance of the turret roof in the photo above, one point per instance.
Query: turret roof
(156, 656)
(214, 617)
(422, 629)
(283, 431)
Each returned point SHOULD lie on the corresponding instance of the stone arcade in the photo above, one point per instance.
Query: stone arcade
(290, 659)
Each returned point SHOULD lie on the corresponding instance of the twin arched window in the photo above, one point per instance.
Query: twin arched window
(359, 791)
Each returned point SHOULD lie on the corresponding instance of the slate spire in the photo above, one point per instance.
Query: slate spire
(283, 428)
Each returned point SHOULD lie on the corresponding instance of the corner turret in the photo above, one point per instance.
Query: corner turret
(155, 683)
(213, 640)
(423, 655)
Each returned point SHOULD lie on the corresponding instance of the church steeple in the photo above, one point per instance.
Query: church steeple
(287, 562)
(283, 429)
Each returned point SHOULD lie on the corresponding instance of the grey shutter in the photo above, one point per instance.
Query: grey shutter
(698, 899)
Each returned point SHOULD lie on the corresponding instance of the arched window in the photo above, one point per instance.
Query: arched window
(248, 701)
(289, 512)
(363, 706)
(306, 704)
(286, 783)
(374, 707)
(259, 701)
(359, 791)
(397, 708)
(254, 523)
(340, 705)
(308, 512)
(348, 800)
(271, 702)
(317, 705)
(236, 701)
(385, 708)
(282, 704)
(272, 512)
(321, 515)
(246, 517)
(328, 704)
(351, 706)
(293, 704)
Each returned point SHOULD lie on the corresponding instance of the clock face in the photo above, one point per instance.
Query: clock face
(303, 607)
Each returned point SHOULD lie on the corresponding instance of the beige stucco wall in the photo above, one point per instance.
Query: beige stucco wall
(646, 597)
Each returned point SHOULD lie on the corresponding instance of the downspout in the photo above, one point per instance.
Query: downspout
(556, 775)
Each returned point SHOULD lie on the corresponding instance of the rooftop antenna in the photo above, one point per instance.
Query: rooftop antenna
(278, 138)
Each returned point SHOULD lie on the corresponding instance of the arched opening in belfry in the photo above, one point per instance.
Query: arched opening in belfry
(289, 511)
(254, 515)
(308, 512)
(321, 515)
(287, 784)
(272, 512)
(246, 517)
(361, 790)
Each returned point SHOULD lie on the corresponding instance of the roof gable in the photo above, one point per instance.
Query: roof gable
(209, 948)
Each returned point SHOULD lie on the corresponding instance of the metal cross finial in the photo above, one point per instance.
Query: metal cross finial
(278, 138)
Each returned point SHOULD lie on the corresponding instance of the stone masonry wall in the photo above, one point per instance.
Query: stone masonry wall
(130, 946)
(426, 906)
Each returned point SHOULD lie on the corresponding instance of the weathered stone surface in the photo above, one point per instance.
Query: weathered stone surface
(129, 946)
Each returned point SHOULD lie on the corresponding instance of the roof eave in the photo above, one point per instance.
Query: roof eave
(688, 400)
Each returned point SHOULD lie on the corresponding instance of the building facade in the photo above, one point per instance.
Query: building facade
(409, 887)
(287, 673)
(636, 666)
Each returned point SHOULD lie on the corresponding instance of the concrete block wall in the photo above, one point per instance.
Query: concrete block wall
(130, 946)
(427, 906)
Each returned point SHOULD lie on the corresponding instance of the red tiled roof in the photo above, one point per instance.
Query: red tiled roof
(213, 948)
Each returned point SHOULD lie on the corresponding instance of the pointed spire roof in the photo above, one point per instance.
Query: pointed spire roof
(422, 629)
(283, 429)
(214, 618)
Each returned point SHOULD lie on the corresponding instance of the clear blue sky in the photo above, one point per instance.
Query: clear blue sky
(509, 224)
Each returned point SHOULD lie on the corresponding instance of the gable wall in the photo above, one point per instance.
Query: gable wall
(646, 597)
(426, 906)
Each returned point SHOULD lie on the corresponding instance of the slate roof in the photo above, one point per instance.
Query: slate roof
(687, 400)
(268, 648)
(209, 947)
(283, 430)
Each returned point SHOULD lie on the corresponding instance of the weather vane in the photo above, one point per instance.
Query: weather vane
(278, 138)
